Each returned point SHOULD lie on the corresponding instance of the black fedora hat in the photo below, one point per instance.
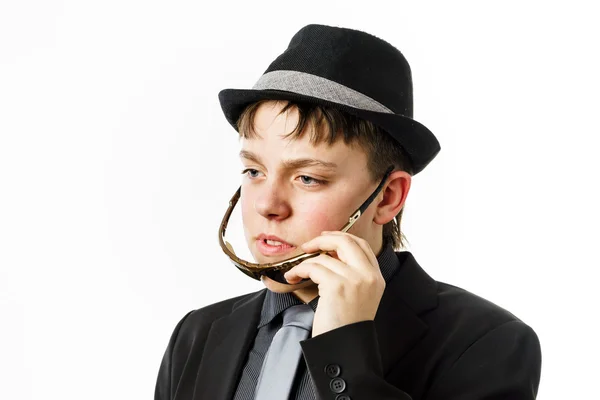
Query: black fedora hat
(349, 70)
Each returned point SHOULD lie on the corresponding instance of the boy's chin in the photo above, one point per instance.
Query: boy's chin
(277, 287)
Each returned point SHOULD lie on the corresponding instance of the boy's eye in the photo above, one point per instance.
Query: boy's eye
(250, 172)
(308, 180)
(305, 179)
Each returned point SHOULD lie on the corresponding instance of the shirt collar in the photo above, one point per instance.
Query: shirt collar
(275, 303)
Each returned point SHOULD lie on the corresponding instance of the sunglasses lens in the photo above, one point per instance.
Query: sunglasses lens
(277, 276)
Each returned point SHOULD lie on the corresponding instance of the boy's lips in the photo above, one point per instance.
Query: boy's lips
(269, 250)
(271, 245)
(272, 238)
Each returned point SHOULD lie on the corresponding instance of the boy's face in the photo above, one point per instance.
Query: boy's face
(283, 197)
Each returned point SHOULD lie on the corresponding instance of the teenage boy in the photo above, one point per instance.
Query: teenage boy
(329, 149)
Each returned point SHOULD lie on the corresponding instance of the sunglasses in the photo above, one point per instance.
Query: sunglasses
(276, 270)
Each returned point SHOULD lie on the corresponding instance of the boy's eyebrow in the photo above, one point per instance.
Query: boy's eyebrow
(291, 164)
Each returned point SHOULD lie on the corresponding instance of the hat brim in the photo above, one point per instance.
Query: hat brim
(418, 141)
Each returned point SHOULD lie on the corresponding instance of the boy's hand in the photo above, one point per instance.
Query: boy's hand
(350, 285)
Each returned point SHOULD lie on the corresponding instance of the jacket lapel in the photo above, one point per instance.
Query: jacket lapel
(409, 293)
(227, 344)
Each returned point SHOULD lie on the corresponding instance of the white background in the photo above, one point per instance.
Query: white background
(116, 165)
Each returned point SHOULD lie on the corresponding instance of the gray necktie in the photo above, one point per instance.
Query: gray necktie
(282, 358)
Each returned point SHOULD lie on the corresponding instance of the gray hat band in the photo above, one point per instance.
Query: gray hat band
(316, 86)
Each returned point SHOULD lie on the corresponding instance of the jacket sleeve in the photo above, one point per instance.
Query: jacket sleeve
(345, 364)
(503, 364)
(165, 384)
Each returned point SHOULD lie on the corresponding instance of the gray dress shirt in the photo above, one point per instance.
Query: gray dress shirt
(270, 322)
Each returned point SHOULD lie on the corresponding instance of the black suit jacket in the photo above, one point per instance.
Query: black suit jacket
(429, 340)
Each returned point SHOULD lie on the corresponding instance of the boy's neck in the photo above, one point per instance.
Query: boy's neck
(307, 294)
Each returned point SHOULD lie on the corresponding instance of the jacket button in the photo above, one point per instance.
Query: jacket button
(342, 397)
(337, 385)
(333, 370)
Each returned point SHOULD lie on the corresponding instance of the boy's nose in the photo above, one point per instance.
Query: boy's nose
(271, 203)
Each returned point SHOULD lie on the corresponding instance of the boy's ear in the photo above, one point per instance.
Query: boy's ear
(394, 197)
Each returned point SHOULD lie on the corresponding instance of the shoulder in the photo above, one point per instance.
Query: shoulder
(479, 341)
(208, 314)
(196, 323)
(442, 305)
(463, 319)
(186, 346)
(190, 333)
(461, 305)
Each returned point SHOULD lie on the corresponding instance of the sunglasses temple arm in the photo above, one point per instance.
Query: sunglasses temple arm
(367, 202)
